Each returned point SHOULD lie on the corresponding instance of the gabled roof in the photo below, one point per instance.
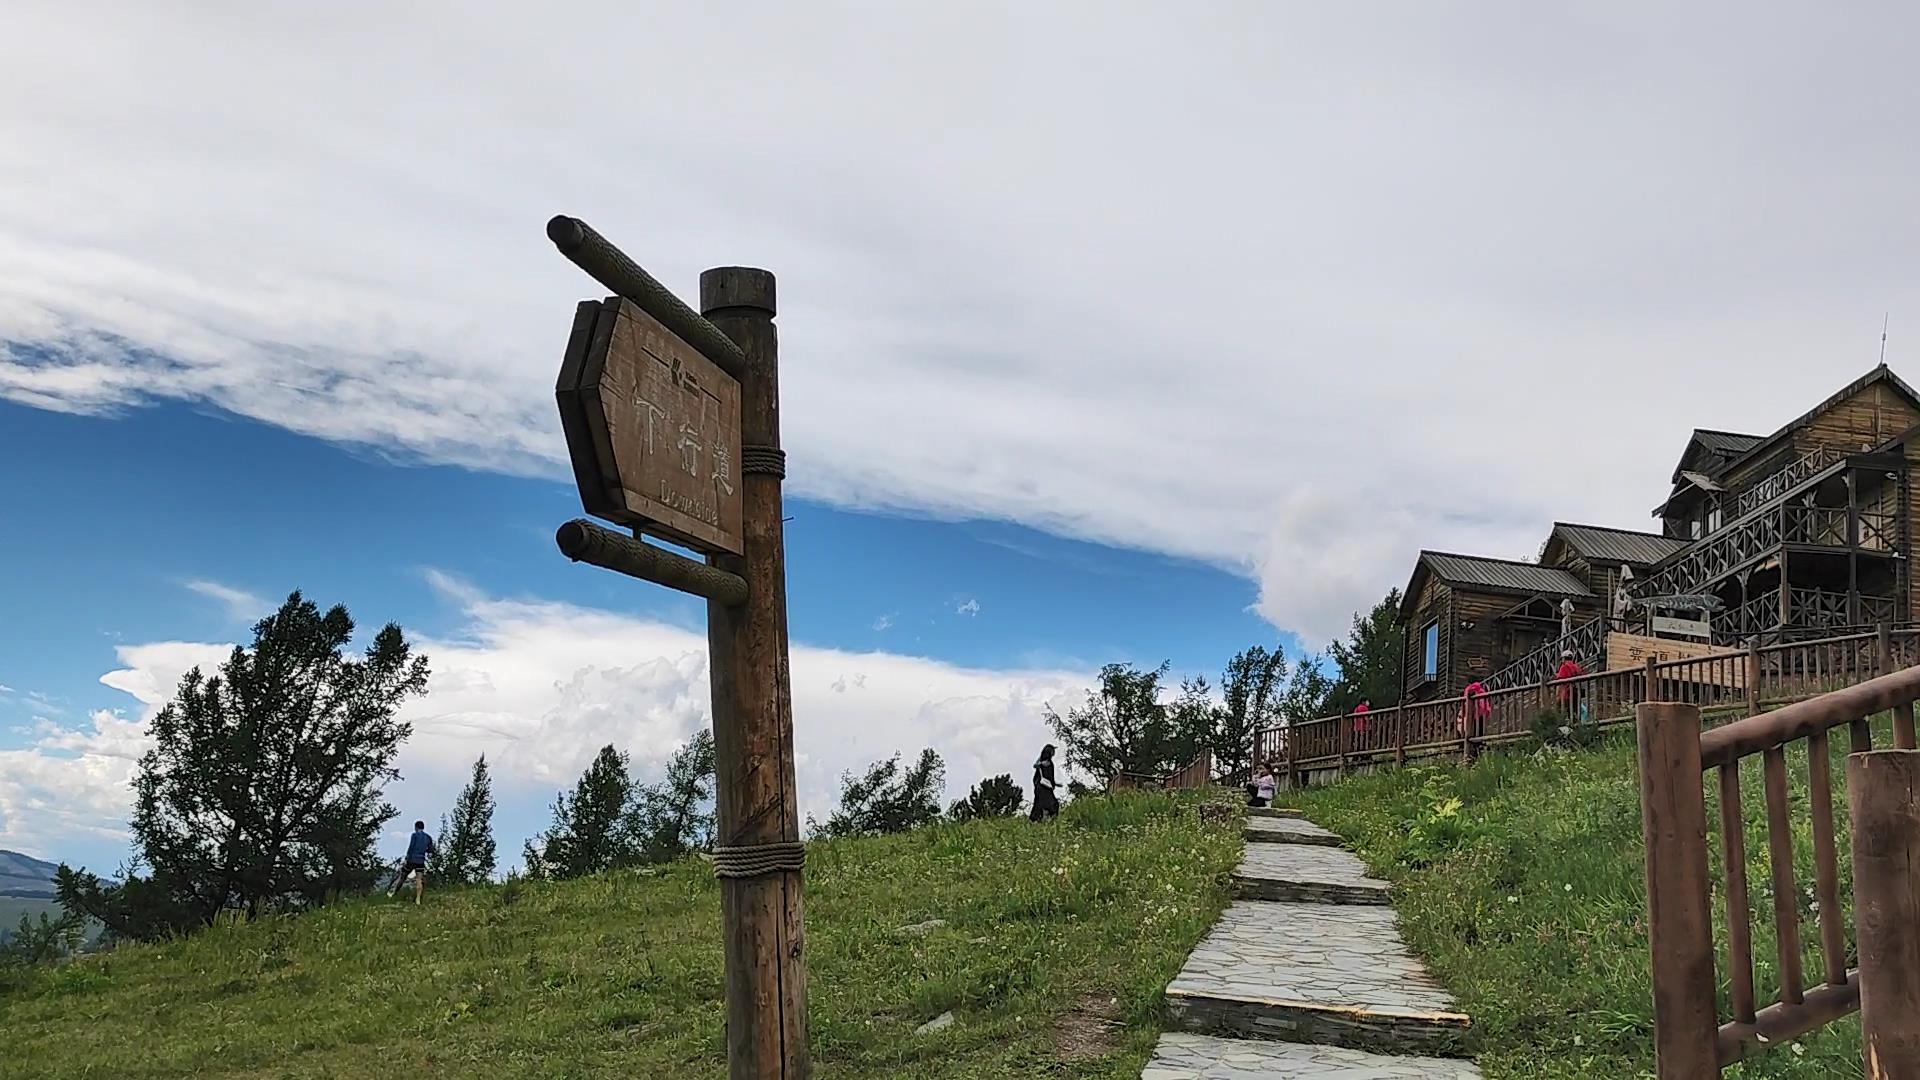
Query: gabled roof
(1492, 575)
(1599, 543)
(1881, 374)
(1709, 452)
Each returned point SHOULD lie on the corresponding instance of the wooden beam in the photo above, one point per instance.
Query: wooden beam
(609, 266)
(583, 541)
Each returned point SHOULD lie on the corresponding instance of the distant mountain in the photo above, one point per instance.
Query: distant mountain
(25, 876)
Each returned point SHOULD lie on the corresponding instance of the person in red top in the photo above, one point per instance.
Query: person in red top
(1569, 669)
(1360, 719)
(1475, 695)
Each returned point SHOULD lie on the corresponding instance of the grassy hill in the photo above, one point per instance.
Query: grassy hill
(1529, 903)
(25, 876)
(1059, 940)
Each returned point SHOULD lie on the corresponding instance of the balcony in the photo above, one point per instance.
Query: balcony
(1704, 564)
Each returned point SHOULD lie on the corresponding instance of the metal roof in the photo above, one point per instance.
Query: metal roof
(1618, 545)
(1503, 574)
(1726, 443)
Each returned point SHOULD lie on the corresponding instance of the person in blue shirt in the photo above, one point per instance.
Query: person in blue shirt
(419, 846)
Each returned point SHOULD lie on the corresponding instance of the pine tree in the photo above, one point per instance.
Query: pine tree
(464, 850)
(888, 799)
(592, 829)
(262, 789)
(675, 816)
(1369, 661)
(1252, 687)
(996, 796)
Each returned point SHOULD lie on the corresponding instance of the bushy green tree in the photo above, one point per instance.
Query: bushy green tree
(1122, 727)
(262, 790)
(592, 828)
(1308, 691)
(44, 941)
(887, 798)
(996, 796)
(464, 850)
(676, 816)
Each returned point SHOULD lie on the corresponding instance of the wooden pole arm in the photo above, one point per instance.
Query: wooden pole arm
(583, 541)
(610, 266)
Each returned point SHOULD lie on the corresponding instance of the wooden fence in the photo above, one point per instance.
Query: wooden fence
(1757, 677)
(1691, 1040)
(1197, 773)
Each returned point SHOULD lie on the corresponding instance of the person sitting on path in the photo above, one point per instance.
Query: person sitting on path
(419, 846)
(1046, 803)
(1262, 786)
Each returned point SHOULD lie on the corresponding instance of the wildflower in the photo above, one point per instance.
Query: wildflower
(1513, 899)
(1568, 886)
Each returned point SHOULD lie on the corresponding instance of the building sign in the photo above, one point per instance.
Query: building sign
(1627, 651)
(653, 428)
(1692, 628)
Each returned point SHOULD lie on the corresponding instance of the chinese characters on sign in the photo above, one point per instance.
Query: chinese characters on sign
(653, 427)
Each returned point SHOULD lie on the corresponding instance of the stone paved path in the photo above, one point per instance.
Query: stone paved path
(1305, 975)
(1273, 830)
(1305, 872)
(1183, 1056)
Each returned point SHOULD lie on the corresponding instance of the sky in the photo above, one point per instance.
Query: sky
(1108, 332)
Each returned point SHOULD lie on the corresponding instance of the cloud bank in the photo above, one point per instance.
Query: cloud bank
(1293, 290)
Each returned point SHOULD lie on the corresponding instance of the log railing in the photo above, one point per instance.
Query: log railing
(1195, 774)
(1457, 726)
(1691, 1040)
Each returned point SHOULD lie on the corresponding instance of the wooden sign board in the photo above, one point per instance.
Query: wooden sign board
(1693, 628)
(1626, 651)
(653, 428)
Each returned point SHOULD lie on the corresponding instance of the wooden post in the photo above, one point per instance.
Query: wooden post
(1673, 817)
(1903, 715)
(1753, 677)
(1882, 787)
(1469, 726)
(1340, 741)
(1652, 690)
(753, 715)
(1400, 734)
(1293, 769)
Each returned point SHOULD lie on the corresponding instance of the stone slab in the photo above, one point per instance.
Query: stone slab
(1289, 831)
(1275, 811)
(1331, 974)
(1305, 873)
(1186, 1056)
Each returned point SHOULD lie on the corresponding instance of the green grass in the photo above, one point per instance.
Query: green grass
(1533, 911)
(1050, 927)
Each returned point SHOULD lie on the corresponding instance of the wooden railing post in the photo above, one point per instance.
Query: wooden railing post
(1340, 746)
(1753, 677)
(1882, 787)
(1400, 735)
(1673, 819)
(1903, 718)
(1293, 768)
(1469, 726)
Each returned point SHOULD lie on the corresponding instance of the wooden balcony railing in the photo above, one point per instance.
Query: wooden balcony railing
(1587, 643)
(1726, 551)
(1778, 673)
(1691, 1041)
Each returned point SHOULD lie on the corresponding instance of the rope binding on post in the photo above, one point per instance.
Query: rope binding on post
(758, 860)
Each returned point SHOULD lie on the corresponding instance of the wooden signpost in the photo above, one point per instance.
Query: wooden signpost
(672, 421)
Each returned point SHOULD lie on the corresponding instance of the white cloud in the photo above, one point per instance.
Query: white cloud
(5, 689)
(72, 783)
(539, 687)
(240, 604)
(968, 607)
(1321, 292)
(883, 623)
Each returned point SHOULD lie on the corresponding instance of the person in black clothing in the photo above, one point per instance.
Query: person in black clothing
(1045, 803)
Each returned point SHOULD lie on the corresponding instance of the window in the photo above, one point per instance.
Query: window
(1430, 647)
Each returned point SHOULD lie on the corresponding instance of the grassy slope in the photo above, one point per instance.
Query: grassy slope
(1535, 918)
(621, 974)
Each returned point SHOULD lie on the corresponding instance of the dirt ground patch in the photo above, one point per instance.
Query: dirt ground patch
(1090, 1030)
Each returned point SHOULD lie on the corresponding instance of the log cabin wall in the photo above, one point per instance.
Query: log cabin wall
(1430, 605)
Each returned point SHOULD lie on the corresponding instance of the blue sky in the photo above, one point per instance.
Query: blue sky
(178, 524)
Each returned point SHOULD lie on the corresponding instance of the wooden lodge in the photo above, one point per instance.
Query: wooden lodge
(1804, 532)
